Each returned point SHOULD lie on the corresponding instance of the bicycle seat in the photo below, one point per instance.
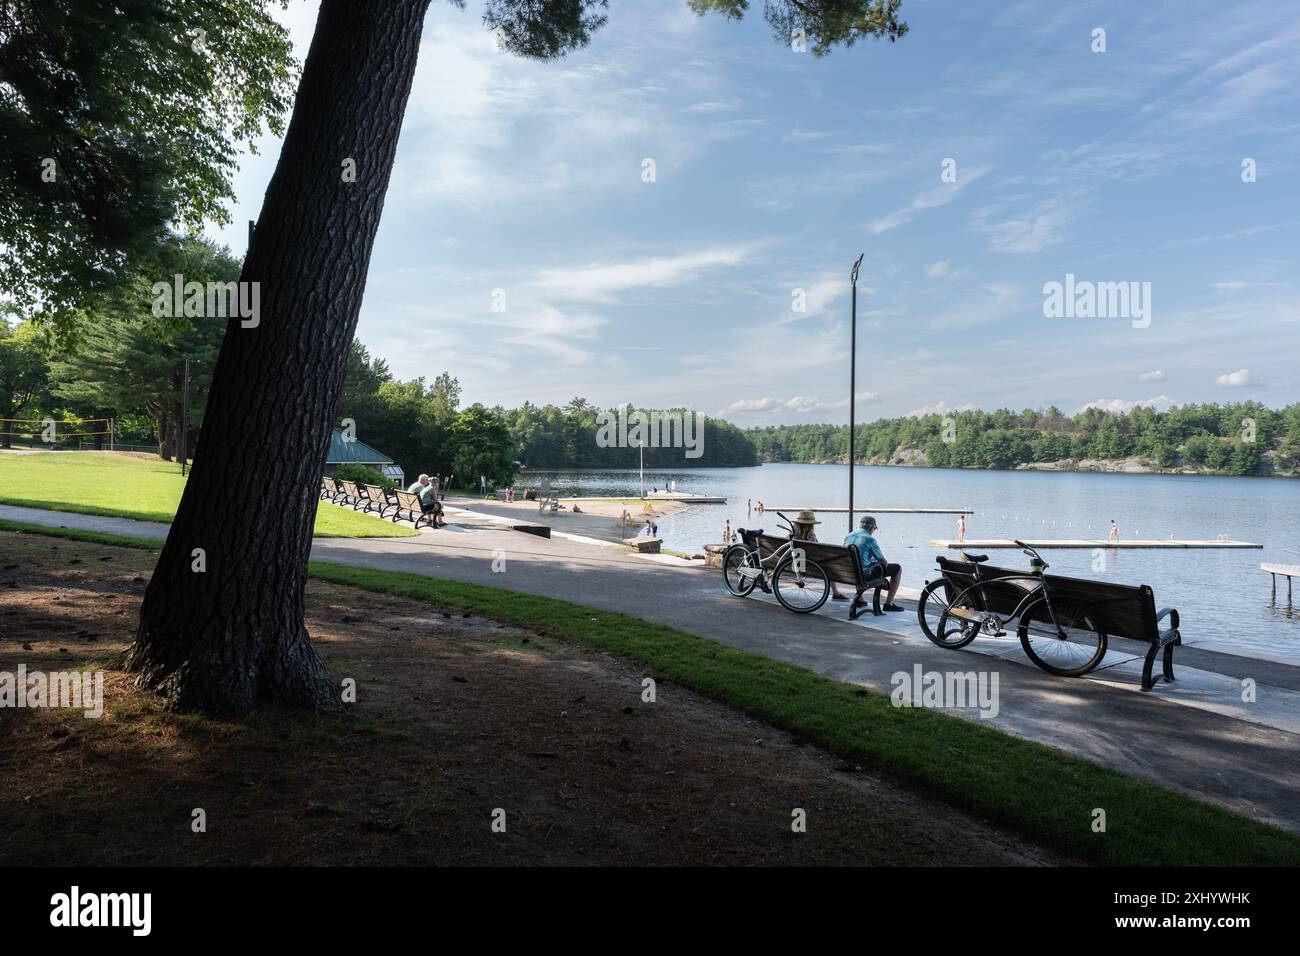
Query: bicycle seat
(975, 558)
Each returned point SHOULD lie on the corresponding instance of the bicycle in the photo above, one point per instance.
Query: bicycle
(800, 584)
(1060, 637)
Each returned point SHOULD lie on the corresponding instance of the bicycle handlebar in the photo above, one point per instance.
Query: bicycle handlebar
(1031, 553)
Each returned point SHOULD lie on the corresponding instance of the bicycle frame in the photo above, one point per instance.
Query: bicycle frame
(987, 620)
(758, 568)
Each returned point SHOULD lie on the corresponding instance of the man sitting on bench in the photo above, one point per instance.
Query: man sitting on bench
(429, 502)
(873, 558)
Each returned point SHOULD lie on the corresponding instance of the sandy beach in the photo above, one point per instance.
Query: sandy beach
(599, 517)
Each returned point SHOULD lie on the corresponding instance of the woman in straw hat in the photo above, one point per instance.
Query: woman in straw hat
(802, 526)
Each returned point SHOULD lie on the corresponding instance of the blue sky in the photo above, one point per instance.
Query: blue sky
(774, 170)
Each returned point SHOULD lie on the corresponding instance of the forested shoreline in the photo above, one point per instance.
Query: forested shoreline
(1241, 438)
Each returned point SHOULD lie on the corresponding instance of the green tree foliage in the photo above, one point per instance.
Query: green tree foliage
(24, 375)
(479, 445)
(411, 421)
(126, 361)
(825, 23)
(407, 421)
(551, 437)
(363, 475)
(1242, 438)
(118, 117)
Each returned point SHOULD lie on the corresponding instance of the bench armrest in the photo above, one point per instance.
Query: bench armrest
(1170, 634)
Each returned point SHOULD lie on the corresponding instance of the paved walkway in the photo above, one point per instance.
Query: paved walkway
(1196, 735)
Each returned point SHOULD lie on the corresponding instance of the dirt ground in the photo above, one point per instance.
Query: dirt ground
(456, 717)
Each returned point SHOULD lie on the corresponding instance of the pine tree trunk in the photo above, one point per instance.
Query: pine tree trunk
(227, 638)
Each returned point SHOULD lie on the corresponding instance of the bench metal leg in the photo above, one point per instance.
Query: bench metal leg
(857, 604)
(854, 606)
(1147, 682)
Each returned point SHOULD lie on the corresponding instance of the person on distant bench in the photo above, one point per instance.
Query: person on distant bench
(429, 504)
(872, 557)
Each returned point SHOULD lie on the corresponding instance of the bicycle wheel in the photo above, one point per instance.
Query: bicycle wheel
(952, 630)
(801, 591)
(733, 559)
(942, 629)
(1071, 647)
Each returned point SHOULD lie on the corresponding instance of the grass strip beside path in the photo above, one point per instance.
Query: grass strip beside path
(1044, 794)
(146, 489)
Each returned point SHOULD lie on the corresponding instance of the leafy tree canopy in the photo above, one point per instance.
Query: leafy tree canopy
(118, 118)
(825, 23)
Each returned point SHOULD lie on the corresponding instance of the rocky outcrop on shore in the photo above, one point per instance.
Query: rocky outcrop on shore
(1122, 466)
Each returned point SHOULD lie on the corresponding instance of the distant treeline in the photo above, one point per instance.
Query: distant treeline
(581, 435)
(424, 429)
(1243, 438)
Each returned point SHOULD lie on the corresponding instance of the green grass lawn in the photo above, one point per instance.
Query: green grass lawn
(149, 489)
(1042, 793)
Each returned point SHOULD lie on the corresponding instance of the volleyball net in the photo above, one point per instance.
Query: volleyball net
(51, 430)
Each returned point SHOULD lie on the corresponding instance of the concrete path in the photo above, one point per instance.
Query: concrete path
(1196, 735)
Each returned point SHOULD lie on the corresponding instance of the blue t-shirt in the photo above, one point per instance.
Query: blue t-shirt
(867, 546)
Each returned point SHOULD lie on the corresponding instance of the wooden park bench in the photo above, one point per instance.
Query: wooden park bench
(1119, 610)
(351, 494)
(377, 500)
(330, 491)
(842, 565)
(410, 509)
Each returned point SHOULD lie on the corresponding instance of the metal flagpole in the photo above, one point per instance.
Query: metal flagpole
(853, 378)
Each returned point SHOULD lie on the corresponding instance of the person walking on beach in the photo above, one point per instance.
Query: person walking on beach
(864, 539)
(1114, 531)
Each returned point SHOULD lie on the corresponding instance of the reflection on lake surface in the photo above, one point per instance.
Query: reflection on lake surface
(1222, 595)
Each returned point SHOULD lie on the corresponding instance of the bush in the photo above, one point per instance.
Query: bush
(363, 476)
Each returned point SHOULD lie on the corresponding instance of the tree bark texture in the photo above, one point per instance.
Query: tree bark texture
(231, 636)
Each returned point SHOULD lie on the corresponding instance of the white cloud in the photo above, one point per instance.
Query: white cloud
(800, 136)
(1158, 375)
(798, 409)
(1159, 403)
(937, 270)
(1036, 230)
(931, 199)
(940, 408)
(602, 282)
(1233, 379)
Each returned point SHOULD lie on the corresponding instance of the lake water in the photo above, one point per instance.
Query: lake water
(1222, 595)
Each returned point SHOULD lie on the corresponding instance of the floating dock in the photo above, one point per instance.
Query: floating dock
(976, 544)
(877, 511)
(687, 499)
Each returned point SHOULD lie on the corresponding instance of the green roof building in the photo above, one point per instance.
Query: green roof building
(344, 452)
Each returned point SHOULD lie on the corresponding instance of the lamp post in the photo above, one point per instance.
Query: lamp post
(185, 417)
(853, 377)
